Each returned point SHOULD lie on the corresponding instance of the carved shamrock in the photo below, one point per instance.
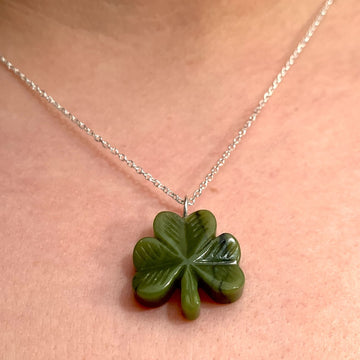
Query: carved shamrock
(186, 251)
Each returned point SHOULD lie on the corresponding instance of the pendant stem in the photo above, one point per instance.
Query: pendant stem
(185, 207)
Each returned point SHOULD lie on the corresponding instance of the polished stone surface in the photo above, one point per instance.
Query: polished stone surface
(187, 251)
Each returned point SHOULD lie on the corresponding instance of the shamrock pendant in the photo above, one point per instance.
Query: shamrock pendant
(186, 251)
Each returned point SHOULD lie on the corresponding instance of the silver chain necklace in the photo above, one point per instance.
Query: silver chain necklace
(185, 250)
(226, 154)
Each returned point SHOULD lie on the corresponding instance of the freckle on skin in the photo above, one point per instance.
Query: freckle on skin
(214, 189)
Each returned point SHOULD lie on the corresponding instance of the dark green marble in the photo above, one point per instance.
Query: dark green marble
(186, 252)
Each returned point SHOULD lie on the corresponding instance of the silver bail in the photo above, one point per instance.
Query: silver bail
(185, 207)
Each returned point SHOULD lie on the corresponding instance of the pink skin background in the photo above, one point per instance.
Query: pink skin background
(169, 83)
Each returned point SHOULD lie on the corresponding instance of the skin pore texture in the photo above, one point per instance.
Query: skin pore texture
(169, 83)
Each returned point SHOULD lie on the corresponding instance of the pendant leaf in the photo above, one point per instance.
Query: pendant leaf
(186, 251)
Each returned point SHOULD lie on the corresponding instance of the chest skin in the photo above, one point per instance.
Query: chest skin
(71, 214)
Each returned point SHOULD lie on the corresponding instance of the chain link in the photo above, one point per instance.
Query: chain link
(226, 154)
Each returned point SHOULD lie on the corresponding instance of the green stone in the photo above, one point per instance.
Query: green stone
(186, 252)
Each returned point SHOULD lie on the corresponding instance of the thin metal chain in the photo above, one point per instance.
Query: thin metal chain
(221, 161)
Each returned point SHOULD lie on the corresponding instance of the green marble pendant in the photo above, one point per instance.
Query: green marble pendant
(185, 251)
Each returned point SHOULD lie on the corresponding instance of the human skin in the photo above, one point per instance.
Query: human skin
(169, 83)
